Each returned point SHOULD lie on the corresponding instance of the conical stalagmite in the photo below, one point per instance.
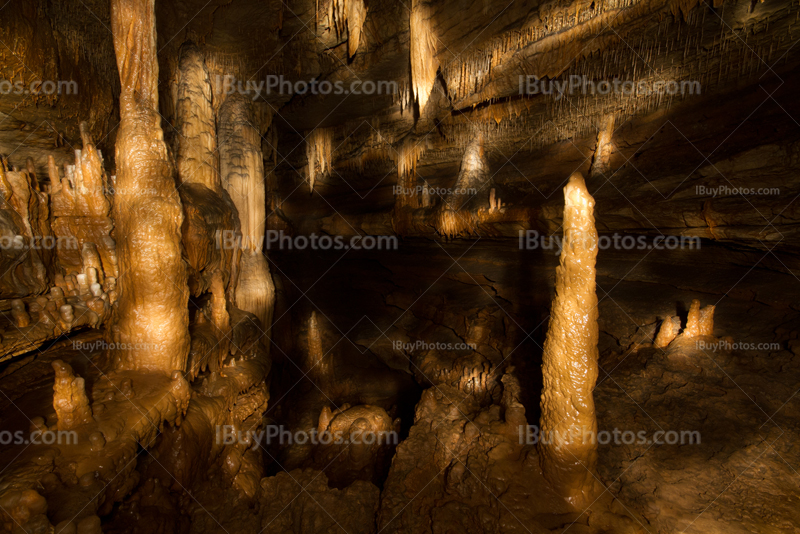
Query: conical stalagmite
(568, 449)
(151, 313)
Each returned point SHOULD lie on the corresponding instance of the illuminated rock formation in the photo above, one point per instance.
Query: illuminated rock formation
(668, 331)
(349, 15)
(700, 321)
(151, 310)
(197, 155)
(569, 363)
(70, 401)
(454, 217)
(242, 172)
(423, 46)
(80, 209)
(319, 147)
(23, 230)
(210, 219)
(318, 364)
(602, 153)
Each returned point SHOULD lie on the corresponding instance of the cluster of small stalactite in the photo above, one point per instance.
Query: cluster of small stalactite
(346, 15)
(406, 157)
(319, 152)
(709, 60)
(472, 70)
(82, 39)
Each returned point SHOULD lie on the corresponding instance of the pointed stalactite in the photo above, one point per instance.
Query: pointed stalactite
(151, 312)
(347, 15)
(568, 449)
(423, 52)
(319, 153)
(242, 173)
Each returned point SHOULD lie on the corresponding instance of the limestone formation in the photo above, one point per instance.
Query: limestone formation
(151, 310)
(70, 400)
(242, 172)
(569, 363)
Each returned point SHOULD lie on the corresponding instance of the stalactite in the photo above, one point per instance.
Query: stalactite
(406, 157)
(423, 51)
(569, 363)
(197, 156)
(151, 312)
(319, 153)
(346, 15)
(356, 13)
(242, 172)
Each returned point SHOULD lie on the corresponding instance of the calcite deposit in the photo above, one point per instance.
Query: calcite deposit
(570, 359)
(296, 266)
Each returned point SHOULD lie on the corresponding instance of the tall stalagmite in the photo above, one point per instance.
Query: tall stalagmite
(150, 320)
(569, 365)
(242, 171)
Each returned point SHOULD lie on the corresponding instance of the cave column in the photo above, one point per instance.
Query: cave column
(150, 320)
(242, 173)
(568, 446)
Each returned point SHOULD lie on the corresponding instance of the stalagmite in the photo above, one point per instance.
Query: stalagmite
(602, 154)
(700, 322)
(242, 173)
(151, 311)
(319, 147)
(70, 400)
(423, 51)
(569, 363)
(80, 211)
(316, 365)
(668, 331)
(454, 218)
